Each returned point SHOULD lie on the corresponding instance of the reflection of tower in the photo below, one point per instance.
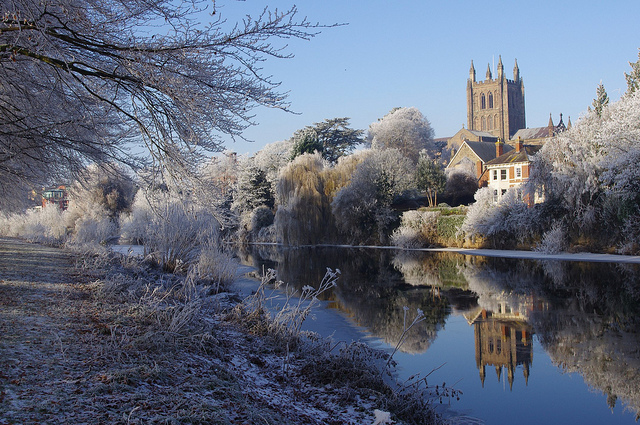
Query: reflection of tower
(503, 341)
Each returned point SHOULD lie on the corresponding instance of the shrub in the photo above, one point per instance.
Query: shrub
(417, 228)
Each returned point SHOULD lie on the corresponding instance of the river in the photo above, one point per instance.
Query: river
(524, 341)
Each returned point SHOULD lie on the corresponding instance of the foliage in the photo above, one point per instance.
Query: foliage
(430, 177)
(460, 187)
(44, 226)
(404, 129)
(633, 77)
(304, 210)
(332, 138)
(363, 208)
(418, 228)
(83, 79)
(306, 141)
(601, 101)
(173, 229)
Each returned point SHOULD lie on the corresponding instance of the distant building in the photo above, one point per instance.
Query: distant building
(57, 196)
(510, 170)
(496, 106)
(539, 135)
(472, 158)
(495, 114)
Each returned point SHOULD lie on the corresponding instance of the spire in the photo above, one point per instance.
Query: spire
(550, 120)
(472, 72)
(568, 123)
(489, 76)
(516, 72)
(500, 68)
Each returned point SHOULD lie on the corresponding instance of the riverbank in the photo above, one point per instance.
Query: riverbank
(102, 338)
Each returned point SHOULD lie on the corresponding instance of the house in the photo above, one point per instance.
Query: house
(472, 158)
(510, 170)
(55, 196)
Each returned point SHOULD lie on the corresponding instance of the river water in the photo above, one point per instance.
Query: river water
(525, 341)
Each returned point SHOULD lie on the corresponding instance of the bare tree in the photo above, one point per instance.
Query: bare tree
(82, 79)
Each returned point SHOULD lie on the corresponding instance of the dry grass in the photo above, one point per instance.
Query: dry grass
(120, 342)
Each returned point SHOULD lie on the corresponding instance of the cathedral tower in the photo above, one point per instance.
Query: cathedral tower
(496, 105)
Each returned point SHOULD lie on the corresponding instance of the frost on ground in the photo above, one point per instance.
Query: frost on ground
(114, 343)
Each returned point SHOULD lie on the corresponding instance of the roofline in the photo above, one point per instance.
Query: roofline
(464, 142)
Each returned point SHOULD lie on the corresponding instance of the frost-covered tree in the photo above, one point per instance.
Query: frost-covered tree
(306, 141)
(258, 175)
(332, 138)
(601, 101)
(633, 77)
(363, 208)
(404, 129)
(430, 177)
(304, 211)
(82, 79)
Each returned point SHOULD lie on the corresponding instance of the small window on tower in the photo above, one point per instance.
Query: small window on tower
(483, 102)
(490, 100)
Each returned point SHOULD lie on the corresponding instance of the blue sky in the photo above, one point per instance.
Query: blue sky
(418, 53)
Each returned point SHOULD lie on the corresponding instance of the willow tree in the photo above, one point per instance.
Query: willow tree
(80, 80)
(304, 214)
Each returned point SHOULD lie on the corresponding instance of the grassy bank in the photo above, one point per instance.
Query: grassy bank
(113, 339)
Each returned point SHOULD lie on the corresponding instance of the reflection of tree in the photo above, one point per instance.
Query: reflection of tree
(590, 321)
(369, 290)
(440, 269)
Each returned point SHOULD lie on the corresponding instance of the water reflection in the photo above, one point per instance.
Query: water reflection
(584, 315)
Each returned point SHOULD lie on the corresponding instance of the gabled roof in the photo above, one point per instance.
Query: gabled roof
(531, 133)
(486, 151)
(512, 156)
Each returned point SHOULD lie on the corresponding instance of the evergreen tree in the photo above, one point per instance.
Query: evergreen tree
(332, 138)
(431, 178)
(601, 100)
(633, 78)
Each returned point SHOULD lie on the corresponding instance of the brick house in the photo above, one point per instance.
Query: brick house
(510, 170)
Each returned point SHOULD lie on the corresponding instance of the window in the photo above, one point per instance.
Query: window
(483, 102)
(490, 100)
(495, 195)
(484, 123)
(490, 124)
(504, 191)
(518, 172)
(503, 174)
(495, 174)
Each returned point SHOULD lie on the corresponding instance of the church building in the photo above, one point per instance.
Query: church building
(496, 106)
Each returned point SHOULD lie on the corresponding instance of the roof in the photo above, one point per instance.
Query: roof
(531, 133)
(486, 150)
(482, 133)
(512, 156)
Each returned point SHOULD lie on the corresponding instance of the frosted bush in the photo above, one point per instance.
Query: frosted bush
(417, 229)
(214, 267)
(47, 225)
(554, 240)
(172, 229)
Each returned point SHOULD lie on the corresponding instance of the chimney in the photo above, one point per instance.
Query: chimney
(499, 148)
(519, 144)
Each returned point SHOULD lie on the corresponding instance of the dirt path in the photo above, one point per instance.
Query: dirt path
(41, 296)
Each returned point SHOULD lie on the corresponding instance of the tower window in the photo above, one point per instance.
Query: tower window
(484, 124)
(490, 121)
(483, 101)
(490, 100)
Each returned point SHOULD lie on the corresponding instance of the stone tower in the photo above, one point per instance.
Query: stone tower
(496, 105)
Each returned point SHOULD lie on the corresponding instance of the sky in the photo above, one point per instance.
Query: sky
(418, 54)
